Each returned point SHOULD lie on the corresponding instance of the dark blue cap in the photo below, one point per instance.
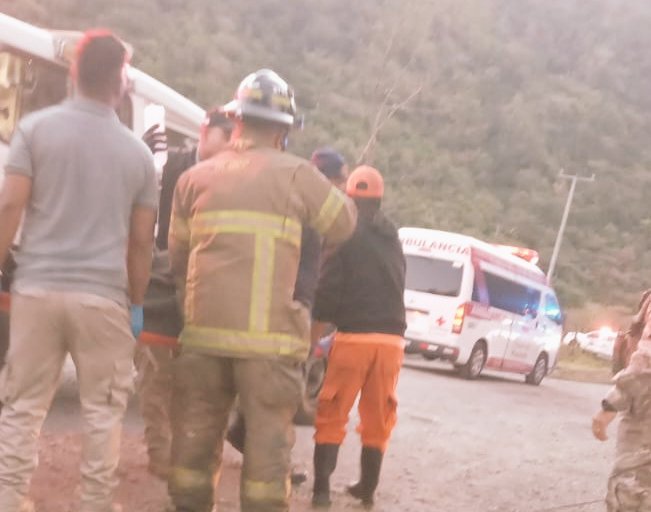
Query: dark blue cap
(329, 162)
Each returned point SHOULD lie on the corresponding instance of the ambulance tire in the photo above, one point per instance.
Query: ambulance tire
(475, 365)
(538, 372)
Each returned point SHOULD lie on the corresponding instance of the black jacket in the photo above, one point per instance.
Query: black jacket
(308, 267)
(362, 284)
(178, 161)
(162, 312)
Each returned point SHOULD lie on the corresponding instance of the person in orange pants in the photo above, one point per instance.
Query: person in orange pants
(361, 292)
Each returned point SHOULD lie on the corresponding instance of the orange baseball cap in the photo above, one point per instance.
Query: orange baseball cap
(365, 182)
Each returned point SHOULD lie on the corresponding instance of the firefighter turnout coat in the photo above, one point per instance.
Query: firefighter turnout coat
(235, 241)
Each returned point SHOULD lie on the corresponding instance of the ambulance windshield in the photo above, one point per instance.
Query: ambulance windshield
(433, 275)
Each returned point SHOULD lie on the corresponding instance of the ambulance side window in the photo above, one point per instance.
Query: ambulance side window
(475, 291)
(553, 310)
(479, 291)
(510, 296)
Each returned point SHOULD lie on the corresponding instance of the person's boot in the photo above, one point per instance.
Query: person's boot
(325, 461)
(371, 463)
(298, 477)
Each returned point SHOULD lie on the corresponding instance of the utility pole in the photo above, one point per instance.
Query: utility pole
(561, 231)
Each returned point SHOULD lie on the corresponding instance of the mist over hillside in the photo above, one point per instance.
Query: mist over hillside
(488, 100)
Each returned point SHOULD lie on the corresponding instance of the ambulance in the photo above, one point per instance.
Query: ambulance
(479, 306)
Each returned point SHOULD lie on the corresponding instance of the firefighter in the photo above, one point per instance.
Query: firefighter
(333, 166)
(163, 322)
(361, 293)
(234, 246)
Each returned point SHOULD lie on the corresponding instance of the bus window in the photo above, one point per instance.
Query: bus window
(10, 73)
(433, 275)
(43, 85)
(510, 296)
(26, 85)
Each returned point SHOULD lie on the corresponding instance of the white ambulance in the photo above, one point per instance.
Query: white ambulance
(479, 306)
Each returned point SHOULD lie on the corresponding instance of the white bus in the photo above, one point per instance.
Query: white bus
(34, 74)
(478, 306)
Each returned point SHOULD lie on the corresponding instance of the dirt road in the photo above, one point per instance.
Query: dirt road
(494, 445)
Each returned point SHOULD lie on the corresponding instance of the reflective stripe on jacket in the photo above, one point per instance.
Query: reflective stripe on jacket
(235, 240)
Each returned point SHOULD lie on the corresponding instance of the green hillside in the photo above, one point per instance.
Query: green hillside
(505, 93)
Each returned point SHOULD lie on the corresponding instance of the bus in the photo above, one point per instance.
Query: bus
(34, 74)
(479, 306)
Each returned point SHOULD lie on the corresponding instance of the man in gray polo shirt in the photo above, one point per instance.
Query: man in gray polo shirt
(87, 189)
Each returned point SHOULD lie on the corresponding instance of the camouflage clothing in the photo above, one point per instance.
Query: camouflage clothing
(629, 486)
(627, 341)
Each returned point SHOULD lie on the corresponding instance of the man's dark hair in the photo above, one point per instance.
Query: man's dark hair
(100, 57)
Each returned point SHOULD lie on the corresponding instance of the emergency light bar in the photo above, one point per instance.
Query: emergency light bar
(526, 254)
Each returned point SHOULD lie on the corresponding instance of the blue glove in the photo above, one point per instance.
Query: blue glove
(137, 320)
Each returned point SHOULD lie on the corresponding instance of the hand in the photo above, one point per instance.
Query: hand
(600, 424)
(137, 320)
(156, 140)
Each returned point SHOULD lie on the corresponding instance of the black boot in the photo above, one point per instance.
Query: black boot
(371, 462)
(298, 477)
(325, 461)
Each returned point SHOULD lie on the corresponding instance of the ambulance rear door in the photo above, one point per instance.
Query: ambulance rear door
(434, 285)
